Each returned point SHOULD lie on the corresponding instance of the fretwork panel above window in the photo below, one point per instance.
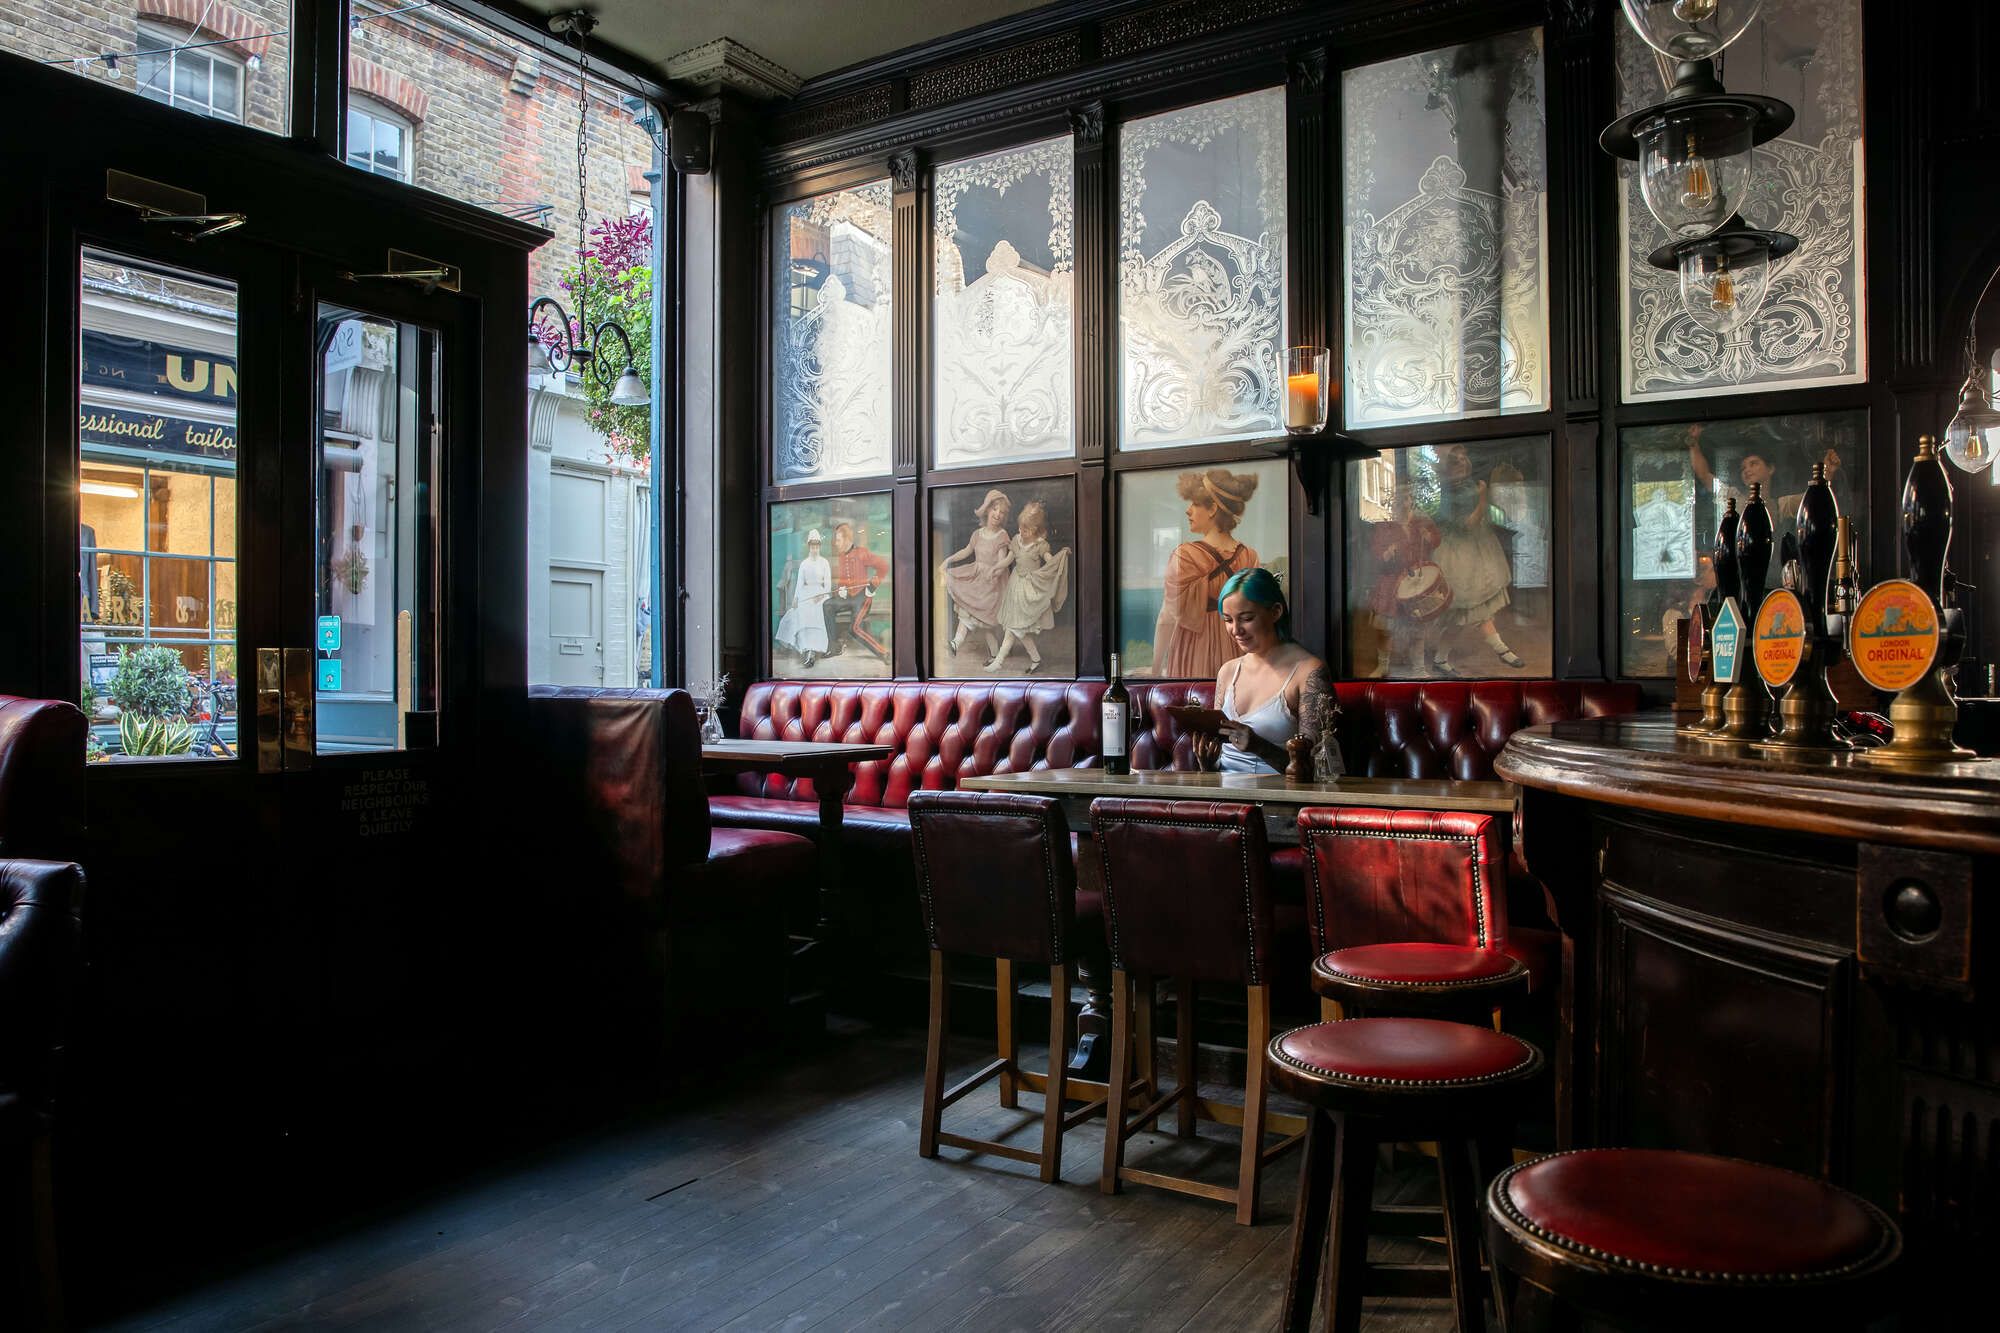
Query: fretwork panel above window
(1004, 259)
(1201, 273)
(832, 336)
(1446, 221)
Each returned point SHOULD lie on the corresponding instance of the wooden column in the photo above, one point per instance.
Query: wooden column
(1096, 388)
(910, 250)
(1311, 230)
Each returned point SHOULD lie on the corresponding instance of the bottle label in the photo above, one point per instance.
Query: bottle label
(1114, 729)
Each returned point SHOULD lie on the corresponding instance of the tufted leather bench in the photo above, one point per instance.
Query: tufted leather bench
(945, 731)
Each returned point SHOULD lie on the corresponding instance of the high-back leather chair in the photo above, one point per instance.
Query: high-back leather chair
(996, 879)
(41, 777)
(1185, 897)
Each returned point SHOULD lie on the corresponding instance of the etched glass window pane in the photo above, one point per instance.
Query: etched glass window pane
(1447, 234)
(1448, 561)
(1201, 272)
(830, 362)
(1812, 326)
(1674, 483)
(1003, 273)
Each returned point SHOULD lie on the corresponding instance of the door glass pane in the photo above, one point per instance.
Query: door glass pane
(1446, 218)
(156, 449)
(1201, 272)
(376, 526)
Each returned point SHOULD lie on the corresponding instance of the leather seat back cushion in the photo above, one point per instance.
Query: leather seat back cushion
(1184, 889)
(945, 731)
(1377, 876)
(41, 777)
(995, 874)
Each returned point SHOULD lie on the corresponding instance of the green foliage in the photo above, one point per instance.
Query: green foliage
(613, 280)
(153, 737)
(152, 683)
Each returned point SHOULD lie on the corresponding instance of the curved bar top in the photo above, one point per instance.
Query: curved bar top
(1641, 762)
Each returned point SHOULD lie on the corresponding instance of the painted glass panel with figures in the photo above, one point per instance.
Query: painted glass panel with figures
(831, 600)
(1675, 481)
(1201, 273)
(1002, 389)
(1446, 233)
(1448, 561)
(832, 336)
(1003, 581)
(1812, 327)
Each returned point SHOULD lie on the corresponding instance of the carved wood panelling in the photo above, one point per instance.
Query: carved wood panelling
(837, 114)
(996, 69)
(1180, 20)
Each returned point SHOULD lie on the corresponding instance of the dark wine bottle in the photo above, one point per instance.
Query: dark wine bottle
(1727, 584)
(1927, 519)
(1117, 721)
(1819, 533)
(1753, 549)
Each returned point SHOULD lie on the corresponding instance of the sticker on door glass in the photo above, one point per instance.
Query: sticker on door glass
(329, 675)
(329, 634)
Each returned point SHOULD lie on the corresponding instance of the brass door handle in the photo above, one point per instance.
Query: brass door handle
(298, 728)
(270, 710)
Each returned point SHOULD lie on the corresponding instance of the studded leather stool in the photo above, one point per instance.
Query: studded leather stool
(1653, 1239)
(1185, 897)
(997, 880)
(1376, 1080)
(1408, 911)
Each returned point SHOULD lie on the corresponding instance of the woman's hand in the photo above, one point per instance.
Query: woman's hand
(1236, 734)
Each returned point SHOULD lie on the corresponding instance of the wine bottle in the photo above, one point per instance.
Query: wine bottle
(1117, 721)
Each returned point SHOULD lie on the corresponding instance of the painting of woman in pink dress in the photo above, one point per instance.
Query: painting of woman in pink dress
(975, 575)
(1189, 639)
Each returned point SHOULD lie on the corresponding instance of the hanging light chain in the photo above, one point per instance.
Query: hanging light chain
(582, 138)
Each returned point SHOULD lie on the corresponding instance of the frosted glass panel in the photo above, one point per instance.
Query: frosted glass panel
(1003, 389)
(1201, 272)
(1446, 234)
(831, 348)
(1812, 328)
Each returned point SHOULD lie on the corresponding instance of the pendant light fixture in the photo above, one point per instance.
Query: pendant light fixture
(1973, 437)
(571, 345)
(1693, 149)
(1690, 29)
(1725, 274)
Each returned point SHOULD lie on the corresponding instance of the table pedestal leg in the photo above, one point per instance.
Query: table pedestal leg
(832, 789)
(1093, 971)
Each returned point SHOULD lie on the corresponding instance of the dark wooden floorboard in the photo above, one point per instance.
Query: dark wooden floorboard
(800, 1202)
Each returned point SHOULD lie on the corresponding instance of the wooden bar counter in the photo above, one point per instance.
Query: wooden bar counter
(1788, 959)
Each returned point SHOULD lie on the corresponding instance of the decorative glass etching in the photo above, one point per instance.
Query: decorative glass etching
(1446, 230)
(1811, 329)
(1675, 481)
(1201, 272)
(1003, 390)
(830, 361)
(1448, 561)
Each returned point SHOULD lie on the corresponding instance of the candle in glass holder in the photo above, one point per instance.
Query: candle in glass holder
(1305, 389)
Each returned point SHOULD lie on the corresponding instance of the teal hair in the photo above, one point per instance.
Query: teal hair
(1261, 586)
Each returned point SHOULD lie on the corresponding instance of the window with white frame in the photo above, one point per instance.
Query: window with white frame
(190, 70)
(378, 139)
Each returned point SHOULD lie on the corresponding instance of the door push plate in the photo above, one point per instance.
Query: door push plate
(270, 710)
(298, 728)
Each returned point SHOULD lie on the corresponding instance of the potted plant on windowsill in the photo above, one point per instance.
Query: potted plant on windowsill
(153, 691)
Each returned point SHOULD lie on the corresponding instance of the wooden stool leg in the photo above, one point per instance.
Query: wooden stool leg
(1143, 1012)
(1461, 1232)
(1347, 1247)
(1121, 1077)
(1184, 1058)
(934, 1045)
(1256, 1091)
(1309, 1221)
(1329, 1010)
(1003, 1031)
(1053, 1089)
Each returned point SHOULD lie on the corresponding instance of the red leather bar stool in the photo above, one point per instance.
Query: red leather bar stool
(1408, 911)
(998, 880)
(1372, 1081)
(1650, 1239)
(1185, 897)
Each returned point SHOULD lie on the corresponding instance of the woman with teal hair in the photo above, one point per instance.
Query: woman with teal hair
(1272, 685)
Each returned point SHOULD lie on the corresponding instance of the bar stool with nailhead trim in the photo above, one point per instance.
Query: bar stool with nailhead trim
(1652, 1239)
(1376, 1080)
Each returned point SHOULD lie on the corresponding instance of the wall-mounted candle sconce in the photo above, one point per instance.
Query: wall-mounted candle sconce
(1313, 448)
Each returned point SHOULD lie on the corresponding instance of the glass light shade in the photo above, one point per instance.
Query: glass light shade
(1694, 164)
(1722, 291)
(629, 391)
(1690, 29)
(1305, 390)
(1974, 433)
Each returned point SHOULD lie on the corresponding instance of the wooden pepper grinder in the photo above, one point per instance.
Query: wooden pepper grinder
(1299, 759)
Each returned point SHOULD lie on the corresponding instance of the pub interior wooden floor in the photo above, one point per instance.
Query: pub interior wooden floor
(792, 1202)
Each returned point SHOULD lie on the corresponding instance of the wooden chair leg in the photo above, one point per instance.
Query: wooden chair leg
(934, 1048)
(1058, 1078)
(1329, 1010)
(1309, 1222)
(1184, 1058)
(1250, 1170)
(1566, 1048)
(1143, 1012)
(1121, 1077)
(1003, 1030)
(1347, 1246)
(1462, 1225)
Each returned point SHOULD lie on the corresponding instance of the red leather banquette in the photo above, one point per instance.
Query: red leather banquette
(945, 731)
